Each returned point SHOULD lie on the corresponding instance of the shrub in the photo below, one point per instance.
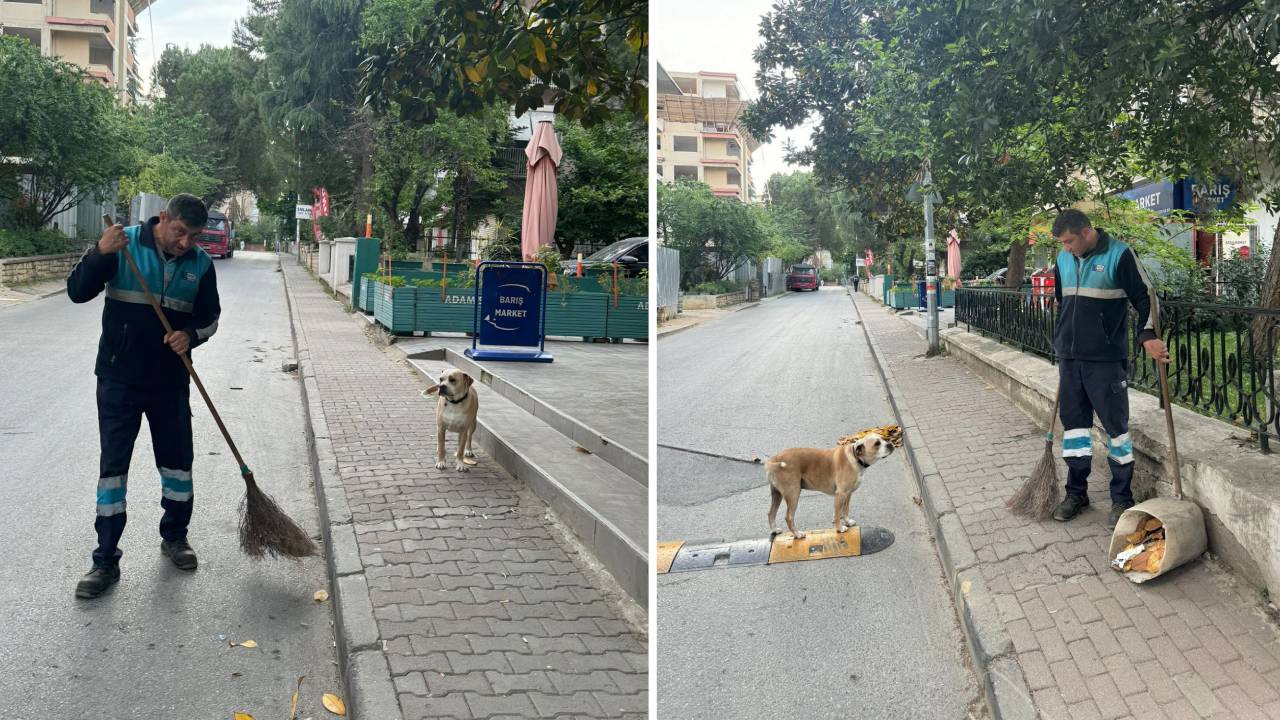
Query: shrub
(715, 287)
(26, 243)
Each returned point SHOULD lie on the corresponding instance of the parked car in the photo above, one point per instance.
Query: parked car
(802, 277)
(632, 256)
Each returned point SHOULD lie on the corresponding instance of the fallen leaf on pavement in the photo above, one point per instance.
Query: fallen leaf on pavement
(293, 705)
(246, 643)
(321, 596)
(236, 674)
(582, 450)
(244, 716)
(917, 500)
(333, 704)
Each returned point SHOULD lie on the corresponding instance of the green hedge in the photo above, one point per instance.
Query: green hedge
(27, 243)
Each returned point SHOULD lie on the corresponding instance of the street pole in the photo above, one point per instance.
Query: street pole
(931, 263)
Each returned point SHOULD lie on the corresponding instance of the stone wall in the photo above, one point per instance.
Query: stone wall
(710, 302)
(17, 271)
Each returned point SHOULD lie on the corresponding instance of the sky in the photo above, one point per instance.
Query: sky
(719, 36)
(185, 24)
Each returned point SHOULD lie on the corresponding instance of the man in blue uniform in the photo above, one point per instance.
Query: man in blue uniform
(140, 370)
(1095, 279)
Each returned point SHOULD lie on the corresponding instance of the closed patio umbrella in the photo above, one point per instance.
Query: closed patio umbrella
(541, 196)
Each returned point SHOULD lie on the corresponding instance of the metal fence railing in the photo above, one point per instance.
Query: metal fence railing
(1224, 360)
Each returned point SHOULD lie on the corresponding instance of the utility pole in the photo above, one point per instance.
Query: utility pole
(924, 192)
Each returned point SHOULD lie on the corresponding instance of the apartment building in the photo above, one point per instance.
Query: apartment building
(698, 134)
(94, 34)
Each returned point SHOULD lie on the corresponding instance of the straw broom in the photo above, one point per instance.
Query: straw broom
(264, 528)
(1039, 494)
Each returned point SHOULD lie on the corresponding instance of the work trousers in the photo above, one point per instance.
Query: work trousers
(1096, 387)
(120, 411)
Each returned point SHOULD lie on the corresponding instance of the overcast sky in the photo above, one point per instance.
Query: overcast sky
(719, 36)
(185, 24)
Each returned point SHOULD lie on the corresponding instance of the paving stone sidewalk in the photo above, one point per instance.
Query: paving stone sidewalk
(1193, 644)
(481, 610)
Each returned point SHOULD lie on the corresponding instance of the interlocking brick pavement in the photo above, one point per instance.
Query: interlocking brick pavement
(481, 610)
(1090, 644)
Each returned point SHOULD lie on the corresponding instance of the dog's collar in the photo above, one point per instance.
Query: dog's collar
(464, 397)
(864, 465)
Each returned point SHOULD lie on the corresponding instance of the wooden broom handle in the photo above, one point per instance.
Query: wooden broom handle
(186, 360)
(1163, 372)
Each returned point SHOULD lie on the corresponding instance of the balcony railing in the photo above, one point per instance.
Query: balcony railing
(1224, 360)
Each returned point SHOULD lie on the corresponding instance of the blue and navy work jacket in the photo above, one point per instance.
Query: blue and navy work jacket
(132, 348)
(1093, 293)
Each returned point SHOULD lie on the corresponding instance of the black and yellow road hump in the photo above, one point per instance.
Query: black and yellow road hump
(681, 556)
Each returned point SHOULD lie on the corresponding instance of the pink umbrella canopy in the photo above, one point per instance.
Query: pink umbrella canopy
(953, 255)
(541, 195)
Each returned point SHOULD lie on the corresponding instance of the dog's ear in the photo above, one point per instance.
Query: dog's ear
(466, 380)
(434, 389)
(859, 449)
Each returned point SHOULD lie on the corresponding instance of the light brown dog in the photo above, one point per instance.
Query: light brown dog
(834, 471)
(456, 410)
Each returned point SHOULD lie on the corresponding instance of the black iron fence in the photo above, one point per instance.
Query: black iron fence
(1223, 359)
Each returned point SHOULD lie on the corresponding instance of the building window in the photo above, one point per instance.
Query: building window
(685, 143)
(688, 86)
(689, 172)
(659, 142)
(659, 171)
(101, 56)
(735, 177)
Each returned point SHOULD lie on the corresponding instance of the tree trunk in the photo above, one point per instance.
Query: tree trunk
(1265, 337)
(413, 227)
(1017, 264)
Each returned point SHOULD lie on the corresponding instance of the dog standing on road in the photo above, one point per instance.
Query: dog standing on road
(456, 409)
(834, 471)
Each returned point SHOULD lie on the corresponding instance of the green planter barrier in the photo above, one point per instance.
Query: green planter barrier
(577, 314)
(454, 314)
(629, 320)
(902, 298)
(948, 298)
(393, 307)
(366, 296)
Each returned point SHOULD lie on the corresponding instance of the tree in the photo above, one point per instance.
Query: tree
(714, 235)
(166, 176)
(588, 58)
(61, 131)
(603, 183)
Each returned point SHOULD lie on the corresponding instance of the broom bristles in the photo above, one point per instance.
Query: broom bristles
(1039, 494)
(266, 530)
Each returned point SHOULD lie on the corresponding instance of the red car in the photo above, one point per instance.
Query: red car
(802, 277)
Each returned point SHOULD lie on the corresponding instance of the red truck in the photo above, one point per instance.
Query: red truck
(802, 277)
(217, 236)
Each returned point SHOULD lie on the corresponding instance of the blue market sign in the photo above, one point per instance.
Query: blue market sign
(1185, 195)
(1153, 196)
(510, 312)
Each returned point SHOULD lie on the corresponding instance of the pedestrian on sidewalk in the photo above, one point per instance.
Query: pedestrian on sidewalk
(1095, 278)
(140, 371)
(855, 282)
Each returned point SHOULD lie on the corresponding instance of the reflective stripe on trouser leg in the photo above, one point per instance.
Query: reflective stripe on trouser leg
(177, 499)
(175, 484)
(1120, 450)
(119, 417)
(169, 416)
(1077, 442)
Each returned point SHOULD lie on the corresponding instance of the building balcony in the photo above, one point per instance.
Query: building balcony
(103, 73)
(96, 26)
(722, 161)
(727, 191)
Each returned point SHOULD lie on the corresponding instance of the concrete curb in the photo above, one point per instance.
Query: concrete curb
(370, 691)
(1003, 685)
(627, 562)
(736, 308)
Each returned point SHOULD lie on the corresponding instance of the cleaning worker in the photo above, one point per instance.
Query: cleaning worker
(140, 371)
(1095, 279)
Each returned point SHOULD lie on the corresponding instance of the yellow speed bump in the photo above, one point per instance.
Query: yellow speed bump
(667, 554)
(816, 545)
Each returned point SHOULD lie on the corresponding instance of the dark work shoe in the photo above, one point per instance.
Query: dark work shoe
(97, 581)
(180, 552)
(1070, 507)
(1116, 512)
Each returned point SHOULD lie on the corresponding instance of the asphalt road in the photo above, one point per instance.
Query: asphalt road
(876, 635)
(156, 645)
